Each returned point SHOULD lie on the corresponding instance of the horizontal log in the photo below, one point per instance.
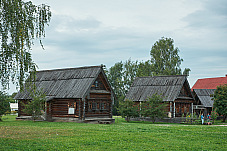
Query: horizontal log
(65, 115)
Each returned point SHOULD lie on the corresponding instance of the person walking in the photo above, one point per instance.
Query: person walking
(202, 118)
(208, 119)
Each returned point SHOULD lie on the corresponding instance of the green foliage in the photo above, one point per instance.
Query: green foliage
(121, 76)
(4, 104)
(128, 109)
(14, 94)
(129, 74)
(114, 75)
(186, 71)
(21, 22)
(220, 100)
(10, 99)
(165, 58)
(27, 135)
(191, 119)
(13, 112)
(144, 69)
(214, 115)
(154, 108)
(36, 106)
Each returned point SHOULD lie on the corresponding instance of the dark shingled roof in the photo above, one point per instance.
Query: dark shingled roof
(64, 83)
(204, 96)
(167, 86)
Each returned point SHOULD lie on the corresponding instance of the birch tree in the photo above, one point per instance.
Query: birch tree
(21, 22)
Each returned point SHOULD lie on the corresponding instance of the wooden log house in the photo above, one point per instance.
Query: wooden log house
(203, 90)
(174, 89)
(73, 94)
(203, 100)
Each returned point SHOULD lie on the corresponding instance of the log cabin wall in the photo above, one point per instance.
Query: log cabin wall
(99, 102)
(60, 107)
(98, 105)
(21, 107)
(183, 107)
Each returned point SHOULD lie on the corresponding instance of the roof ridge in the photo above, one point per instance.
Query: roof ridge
(163, 76)
(204, 89)
(154, 85)
(61, 79)
(62, 69)
(212, 78)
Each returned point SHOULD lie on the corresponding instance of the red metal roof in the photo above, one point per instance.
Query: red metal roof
(210, 83)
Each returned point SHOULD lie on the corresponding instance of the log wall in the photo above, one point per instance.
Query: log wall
(60, 107)
(99, 104)
(21, 107)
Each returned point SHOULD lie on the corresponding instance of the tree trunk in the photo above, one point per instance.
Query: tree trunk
(127, 119)
(224, 117)
(153, 120)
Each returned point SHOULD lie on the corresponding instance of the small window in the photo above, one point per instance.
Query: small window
(94, 106)
(102, 106)
(89, 106)
(96, 84)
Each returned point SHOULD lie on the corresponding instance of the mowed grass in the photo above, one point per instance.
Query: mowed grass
(29, 135)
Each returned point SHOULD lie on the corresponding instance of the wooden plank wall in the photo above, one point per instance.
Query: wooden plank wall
(99, 99)
(98, 110)
(21, 107)
(59, 107)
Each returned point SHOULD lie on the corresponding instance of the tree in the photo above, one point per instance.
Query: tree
(128, 109)
(4, 104)
(129, 74)
(114, 75)
(36, 106)
(20, 24)
(154, 108)
(220, 100)
(214, 114)
(144, 69)
(165, 59)
(121, 76)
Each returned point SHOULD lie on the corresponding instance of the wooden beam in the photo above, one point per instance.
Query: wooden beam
(104, 82)
(174, 110)
(111, 109)
(170, 108)
(83, 101)
(80, 109)
(45, 111)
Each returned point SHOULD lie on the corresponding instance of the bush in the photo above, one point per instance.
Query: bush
(214, 115)
(7, 112)
(13, 112)
(154, 108)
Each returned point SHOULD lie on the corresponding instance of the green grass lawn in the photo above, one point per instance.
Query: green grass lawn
(29, 135)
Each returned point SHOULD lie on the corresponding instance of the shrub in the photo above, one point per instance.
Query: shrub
(13, 112)
(214, 115)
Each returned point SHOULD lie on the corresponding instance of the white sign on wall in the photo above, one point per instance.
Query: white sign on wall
(71, 110)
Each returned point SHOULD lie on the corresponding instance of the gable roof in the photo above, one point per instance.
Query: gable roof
(210, 83)
(204, 96)
(167, 86)
(65, 83)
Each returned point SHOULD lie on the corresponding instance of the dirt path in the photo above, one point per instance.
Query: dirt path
(184, 125)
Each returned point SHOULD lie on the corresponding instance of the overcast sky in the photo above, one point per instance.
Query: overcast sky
(95, 32)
